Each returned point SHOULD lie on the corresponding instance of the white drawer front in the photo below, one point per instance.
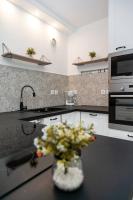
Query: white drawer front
(52, 120)
(125, 135)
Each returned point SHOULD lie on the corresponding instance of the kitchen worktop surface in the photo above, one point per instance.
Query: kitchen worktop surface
(16, 141)
(108, 162)
(108, 170)
(15, 126)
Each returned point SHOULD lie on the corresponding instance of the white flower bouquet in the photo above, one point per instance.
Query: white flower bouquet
(64, 141)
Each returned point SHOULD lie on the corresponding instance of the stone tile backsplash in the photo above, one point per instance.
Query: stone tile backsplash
(13, 79)
(89, 88)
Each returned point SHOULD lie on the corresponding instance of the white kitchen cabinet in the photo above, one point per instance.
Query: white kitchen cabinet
(38, 121)
(120, 24)
(71, 118)
(99, 120)
(125, 135)
(52, 120)
(48, 120)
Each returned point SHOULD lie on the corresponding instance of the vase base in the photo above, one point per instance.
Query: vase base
(69, 181)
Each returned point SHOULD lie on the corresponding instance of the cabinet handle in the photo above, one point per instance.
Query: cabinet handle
(53, 118)
(93, 114)
(122, 47)
(131, 136)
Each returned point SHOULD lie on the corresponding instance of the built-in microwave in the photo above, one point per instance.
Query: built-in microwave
(121, 64)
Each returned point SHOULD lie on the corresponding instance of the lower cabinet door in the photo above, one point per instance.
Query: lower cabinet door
(71, 118)
(52, 120)
(99, 120)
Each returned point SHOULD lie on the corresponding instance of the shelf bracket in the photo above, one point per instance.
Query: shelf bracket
(4, 47)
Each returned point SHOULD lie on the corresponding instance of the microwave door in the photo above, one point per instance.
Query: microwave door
(122, 66)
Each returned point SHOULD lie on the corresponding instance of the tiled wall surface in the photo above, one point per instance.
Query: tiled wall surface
(13, 79)
(89, 88)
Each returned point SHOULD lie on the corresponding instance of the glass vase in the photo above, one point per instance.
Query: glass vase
(68, 178)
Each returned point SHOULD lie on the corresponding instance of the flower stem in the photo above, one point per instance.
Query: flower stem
(66, 170)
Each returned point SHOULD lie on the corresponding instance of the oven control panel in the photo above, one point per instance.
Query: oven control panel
(121, 87)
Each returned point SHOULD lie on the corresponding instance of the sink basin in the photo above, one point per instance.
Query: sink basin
(49, 109)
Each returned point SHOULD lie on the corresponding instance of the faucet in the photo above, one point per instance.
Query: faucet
(22, 107)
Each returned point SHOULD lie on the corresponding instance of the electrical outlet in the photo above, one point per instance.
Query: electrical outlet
(106, 91)
(52, 92)
(56, 92)
(103, 92)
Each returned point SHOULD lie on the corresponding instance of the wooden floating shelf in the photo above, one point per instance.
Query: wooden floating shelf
(26, 59)
(91, 61)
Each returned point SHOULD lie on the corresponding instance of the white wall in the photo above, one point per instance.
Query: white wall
(120, 24)
(19, 30)
(88, 38)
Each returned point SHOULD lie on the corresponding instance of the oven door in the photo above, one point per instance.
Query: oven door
(121, 110)
(122, 66)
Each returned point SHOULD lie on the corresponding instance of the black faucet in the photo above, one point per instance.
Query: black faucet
(22, 107)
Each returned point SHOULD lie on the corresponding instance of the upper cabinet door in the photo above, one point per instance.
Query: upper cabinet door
(120, 24)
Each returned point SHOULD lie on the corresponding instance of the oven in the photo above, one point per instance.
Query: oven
(121, 110)
(121, 65)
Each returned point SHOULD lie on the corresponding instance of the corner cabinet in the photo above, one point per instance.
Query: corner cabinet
(99, 120)
(71, 118)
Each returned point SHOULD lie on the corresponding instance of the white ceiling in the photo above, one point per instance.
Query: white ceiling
(65, 15)
(77, 13)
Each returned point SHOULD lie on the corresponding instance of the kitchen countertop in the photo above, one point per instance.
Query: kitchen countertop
(16, 141)
(108, 169)
(14, 124)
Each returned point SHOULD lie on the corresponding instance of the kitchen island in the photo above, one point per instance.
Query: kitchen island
(107, 163)
(18, 162)
(108, 169)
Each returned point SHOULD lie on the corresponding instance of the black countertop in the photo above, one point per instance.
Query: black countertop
(108, 169)
(16, 141)
(15, 126)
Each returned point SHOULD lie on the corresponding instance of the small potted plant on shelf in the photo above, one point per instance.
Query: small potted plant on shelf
(92, 54)
(30, 52)
(65, 143)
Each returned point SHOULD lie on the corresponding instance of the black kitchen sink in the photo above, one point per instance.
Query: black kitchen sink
(49, 109)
